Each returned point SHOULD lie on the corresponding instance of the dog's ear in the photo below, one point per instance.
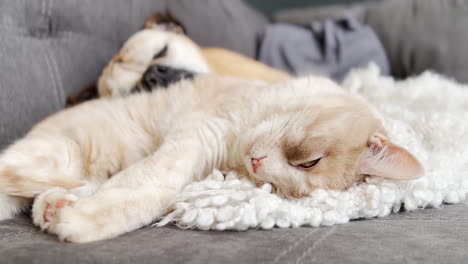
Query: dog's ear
(165, 22)
(89, 92)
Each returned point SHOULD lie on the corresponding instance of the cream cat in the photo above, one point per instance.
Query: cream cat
(111, 166)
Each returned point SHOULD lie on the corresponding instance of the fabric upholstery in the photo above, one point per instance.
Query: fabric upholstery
(425, 236)
(423, 34)
(230, 24)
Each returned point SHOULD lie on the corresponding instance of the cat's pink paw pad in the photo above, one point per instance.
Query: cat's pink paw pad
(62, 203)
(51, 211)
(48, 215)
(47, 206)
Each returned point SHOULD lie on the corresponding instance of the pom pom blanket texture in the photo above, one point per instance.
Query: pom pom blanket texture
(427, 114)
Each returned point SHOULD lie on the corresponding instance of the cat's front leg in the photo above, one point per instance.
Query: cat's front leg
(129, 200)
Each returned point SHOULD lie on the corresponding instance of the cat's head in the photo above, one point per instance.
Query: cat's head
(327, 140)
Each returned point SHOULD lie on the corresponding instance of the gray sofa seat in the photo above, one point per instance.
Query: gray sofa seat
(424, 236)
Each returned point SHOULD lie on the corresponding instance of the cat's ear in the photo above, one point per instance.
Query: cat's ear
(387, 160)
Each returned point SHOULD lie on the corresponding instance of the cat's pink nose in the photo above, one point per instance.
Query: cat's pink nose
(256, 163)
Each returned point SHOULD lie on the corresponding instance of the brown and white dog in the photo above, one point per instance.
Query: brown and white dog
(160, 54)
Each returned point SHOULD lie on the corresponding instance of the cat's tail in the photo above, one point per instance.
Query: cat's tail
(33, 165)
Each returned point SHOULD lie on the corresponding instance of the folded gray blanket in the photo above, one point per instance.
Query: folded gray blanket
(331, 47)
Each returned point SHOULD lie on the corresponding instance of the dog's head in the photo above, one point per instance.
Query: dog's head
(156, 56)
(153, 57)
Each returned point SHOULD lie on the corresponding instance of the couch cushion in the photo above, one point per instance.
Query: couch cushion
(423, 35)
(424, 236)
(230, 24)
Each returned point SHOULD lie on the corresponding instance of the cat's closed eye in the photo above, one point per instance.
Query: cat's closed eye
(308, 165)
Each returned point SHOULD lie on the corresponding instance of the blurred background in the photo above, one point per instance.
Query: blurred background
(403, 37)
(269, 7)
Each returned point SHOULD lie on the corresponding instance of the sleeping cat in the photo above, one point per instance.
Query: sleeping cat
(110, 166)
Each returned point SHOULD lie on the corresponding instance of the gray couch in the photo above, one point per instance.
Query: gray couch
(417, 34)
(49, 49)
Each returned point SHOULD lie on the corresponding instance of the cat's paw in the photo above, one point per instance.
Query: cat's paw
(48, 205)
(60, 212)
(54, 212)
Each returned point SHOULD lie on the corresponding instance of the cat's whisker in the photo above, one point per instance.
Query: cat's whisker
(297, 116)
(282, 131)
(285, 124)
(282, 128)
(272, 124)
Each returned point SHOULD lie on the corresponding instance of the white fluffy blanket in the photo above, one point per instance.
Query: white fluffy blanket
(427, 114)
